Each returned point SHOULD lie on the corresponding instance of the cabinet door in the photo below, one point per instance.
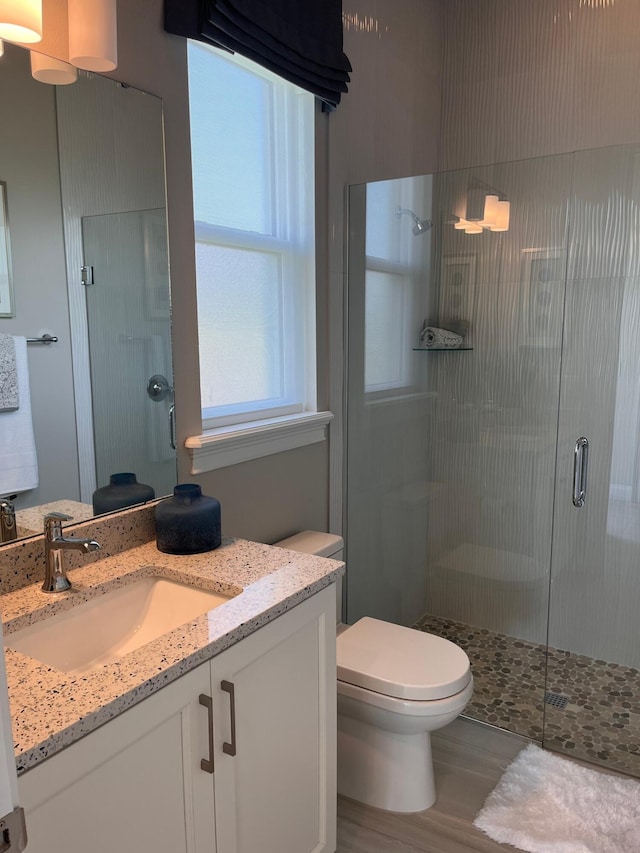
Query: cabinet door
(277, 793)
(133, 785)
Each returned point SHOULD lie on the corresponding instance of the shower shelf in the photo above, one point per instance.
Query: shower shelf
(441, 349)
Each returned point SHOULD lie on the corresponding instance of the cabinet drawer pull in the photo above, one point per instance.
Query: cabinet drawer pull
(228, 687)
(206, 764)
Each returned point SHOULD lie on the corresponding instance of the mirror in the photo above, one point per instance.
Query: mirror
(82, 168)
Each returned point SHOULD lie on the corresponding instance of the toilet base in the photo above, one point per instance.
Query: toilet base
(384, 769)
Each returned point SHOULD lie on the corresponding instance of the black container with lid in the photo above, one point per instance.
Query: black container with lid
(188, 522)
(123, 490)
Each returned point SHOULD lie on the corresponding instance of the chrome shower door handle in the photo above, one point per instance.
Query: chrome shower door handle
(172, 426)
(580, 466)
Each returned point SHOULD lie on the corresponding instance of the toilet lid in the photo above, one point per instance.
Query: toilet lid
(400, 662)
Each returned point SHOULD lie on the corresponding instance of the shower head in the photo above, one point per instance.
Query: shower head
(421, 226)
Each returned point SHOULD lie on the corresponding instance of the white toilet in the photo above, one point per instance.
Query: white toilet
(395, 686)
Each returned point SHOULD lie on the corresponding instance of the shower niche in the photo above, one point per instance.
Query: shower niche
(465, 526)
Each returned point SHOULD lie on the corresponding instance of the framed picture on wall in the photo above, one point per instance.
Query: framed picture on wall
(6, 277)
(542, 294)
(457, 287)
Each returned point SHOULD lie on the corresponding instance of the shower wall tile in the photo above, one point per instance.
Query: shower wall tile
(387, 125)
(468, 98)
(387, 506)
(489, 543)
(605, 213)
(535, 79)
(608, 68)
(538, 191)
(528, 79)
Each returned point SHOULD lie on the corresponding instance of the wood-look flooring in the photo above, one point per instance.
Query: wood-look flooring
(468, 759)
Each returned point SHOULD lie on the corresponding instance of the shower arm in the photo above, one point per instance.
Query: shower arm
(421, 225)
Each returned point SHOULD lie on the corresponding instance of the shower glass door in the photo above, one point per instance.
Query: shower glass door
(461, 464)
(452, 454)
(592, 707)
(128, 317)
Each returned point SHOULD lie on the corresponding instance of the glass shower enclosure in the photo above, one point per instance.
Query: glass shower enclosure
(493, 485)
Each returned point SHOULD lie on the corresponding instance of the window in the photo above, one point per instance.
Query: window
(394, 289)
(253, 184)
(388, 327)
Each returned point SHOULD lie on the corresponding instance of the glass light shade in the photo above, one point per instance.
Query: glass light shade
(46, 69)
(93, 43)
(473, 228)
(460, 225)
(21, 20)
(502, 219)
(490, 216)
(475, 204)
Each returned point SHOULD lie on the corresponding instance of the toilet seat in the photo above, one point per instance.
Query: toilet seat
(401, 663)
(409, 707)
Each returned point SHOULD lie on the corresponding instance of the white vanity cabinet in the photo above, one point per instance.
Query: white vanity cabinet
(137, 784)
(131, 785)
(277, 793)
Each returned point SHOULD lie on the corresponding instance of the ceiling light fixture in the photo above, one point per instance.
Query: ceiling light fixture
(21, 20)
(473, 228)
(490, 214)
(486, 208)
(93, 43)
(502, 217)
(46, 69)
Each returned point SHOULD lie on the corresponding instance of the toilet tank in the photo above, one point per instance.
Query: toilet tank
(320, 545)
(312, 542)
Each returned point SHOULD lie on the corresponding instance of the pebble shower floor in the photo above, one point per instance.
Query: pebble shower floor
(592, 708)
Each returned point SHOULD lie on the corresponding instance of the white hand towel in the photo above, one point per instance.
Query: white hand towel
(434, 338)
(18, 460)
(9, 399)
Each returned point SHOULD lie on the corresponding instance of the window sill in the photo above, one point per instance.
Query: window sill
(231, 445)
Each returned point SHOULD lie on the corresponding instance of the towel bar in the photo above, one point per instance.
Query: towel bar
(45, 339)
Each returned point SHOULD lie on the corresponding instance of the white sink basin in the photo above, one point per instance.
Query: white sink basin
(106, 628)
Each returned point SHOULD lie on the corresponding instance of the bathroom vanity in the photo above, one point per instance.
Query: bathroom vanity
(216, 736)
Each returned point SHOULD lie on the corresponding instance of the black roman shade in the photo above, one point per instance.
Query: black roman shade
(301, 40)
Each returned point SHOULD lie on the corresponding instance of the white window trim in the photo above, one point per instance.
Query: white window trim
(248, 412)
(231, 445)
(228, 423)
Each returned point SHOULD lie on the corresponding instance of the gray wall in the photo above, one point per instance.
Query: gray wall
(268, 498)
(387, 125)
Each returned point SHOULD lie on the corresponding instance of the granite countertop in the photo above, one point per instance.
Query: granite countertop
(30, 520)
(51, 709)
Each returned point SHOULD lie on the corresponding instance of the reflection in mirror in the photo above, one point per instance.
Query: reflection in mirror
(83, 167)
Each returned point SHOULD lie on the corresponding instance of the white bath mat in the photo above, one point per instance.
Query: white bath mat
(547, 804)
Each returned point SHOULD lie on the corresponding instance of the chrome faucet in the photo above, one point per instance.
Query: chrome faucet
(8, 528)
(55, 578)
